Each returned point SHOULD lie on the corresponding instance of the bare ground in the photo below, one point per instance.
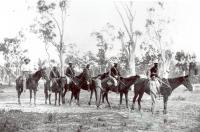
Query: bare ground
(183, 114)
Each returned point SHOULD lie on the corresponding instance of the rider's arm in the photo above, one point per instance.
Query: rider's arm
(58, 74)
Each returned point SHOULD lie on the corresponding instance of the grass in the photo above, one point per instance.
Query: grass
(183, 115)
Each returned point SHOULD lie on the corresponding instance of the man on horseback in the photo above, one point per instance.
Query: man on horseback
(70, 73)
(54, 75)
(115, 75)
(25, 72)
(85, 79)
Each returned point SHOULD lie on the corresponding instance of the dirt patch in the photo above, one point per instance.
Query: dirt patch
(183, 114)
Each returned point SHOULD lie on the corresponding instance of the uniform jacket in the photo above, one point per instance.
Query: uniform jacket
(86, 74)
(115, 72)
(70, 72)
(54, 74)
(154, 71)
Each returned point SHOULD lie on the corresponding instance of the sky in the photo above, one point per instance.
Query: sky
(85, 17)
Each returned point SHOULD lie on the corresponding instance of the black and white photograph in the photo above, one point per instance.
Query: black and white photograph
(99, 66)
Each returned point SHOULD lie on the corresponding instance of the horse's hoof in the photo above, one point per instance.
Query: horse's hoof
(89, 103)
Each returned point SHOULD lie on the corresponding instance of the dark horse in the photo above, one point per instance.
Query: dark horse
(31, 83)
(57, 88)
(78, 84)
(166, 89)
(123, 87)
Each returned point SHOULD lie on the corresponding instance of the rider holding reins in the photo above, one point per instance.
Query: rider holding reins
(70, 73)
(54, 74)
(25, 72)
(115, 75)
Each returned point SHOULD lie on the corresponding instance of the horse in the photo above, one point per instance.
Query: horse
(166, 88)
(75, 87)
(31, 83)
(123, 87)
(57, 88)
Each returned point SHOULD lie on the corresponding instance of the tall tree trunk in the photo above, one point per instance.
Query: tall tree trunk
(9, 80)
(131, 62)
(61, 64)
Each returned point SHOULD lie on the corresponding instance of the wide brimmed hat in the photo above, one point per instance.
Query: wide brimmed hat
(27, 60)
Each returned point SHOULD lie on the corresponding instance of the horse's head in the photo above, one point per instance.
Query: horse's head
(42, 73)
(63, 81)
(187, 83)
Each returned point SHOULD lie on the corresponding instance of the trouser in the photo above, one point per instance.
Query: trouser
(154, 86)
(69, 80)
(25, 77)
(114, 80)
(53, 80)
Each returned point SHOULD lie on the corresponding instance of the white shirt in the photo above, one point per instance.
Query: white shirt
(26, 67)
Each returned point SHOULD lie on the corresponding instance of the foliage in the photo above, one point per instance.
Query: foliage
(129, 37)
(13, 55)
(105, 38)
(50, 25)
(182, 61)
(156, 29)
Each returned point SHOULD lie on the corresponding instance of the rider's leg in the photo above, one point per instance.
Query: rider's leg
(24, 82)
(88, 84)
(157, 85)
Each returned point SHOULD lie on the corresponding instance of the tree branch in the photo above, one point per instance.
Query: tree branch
(123, 21)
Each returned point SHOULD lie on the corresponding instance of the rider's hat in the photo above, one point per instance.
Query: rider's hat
(27, 60)
(88, 65)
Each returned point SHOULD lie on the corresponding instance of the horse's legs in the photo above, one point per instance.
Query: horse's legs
(49, 98)
(103, 96)
(19, 93)
(121, 96)
(139, 100)
(78, 94)
(165, 99)
(59, 94)
(91, 93)
(45, 92)
(126, 97)
(71, 98)
(134, 99)
(63, 95)
(106, 94)
(55, 98)
(30, 95)
(34, 96)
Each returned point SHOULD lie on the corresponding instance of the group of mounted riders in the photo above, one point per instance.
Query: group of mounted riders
(114, 74)
(109, 81)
